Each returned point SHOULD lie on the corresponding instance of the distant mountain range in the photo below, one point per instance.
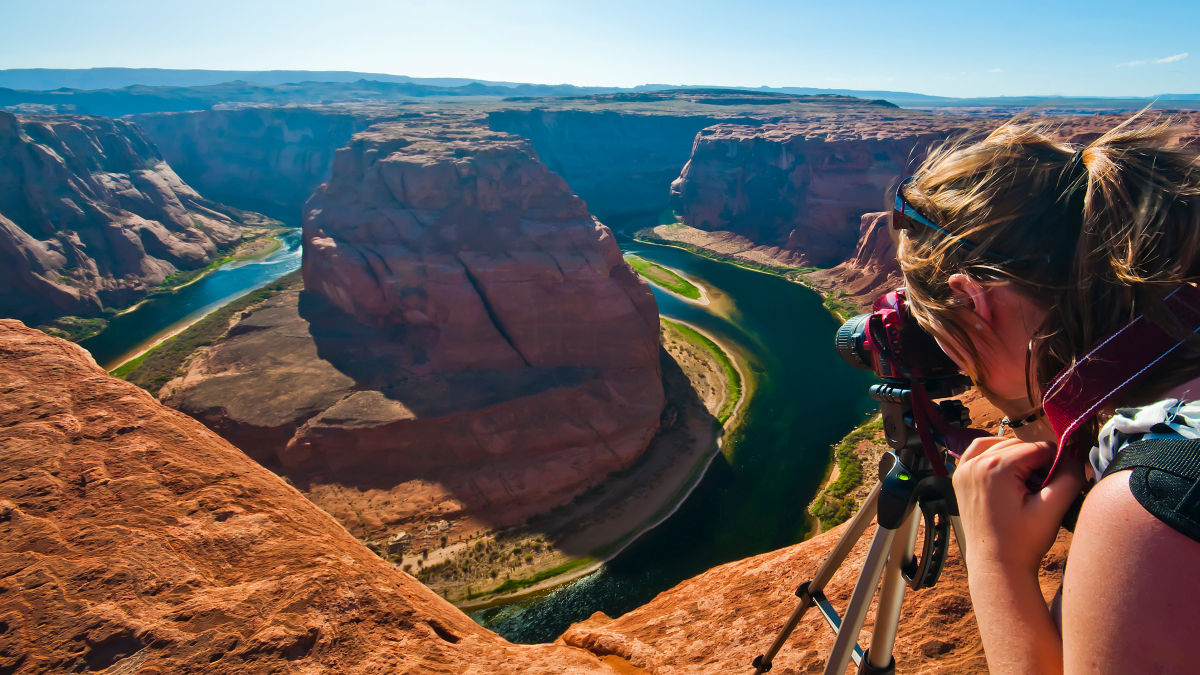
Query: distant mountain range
(119, 91)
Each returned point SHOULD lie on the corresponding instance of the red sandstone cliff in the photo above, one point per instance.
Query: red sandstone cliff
(802, 186)
(91, 217)
(470, 341)
(871, 271)
(135, 540)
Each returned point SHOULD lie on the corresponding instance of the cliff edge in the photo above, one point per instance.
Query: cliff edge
(134, 539)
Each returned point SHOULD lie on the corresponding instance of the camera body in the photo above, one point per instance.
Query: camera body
(889, 342)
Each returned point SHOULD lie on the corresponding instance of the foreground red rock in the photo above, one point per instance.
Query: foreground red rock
(91, 217)
(470, 342)
(134, 539)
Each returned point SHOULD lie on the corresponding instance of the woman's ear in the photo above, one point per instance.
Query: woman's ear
(972, 295)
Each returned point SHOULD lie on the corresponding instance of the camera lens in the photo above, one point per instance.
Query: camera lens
(849, 341)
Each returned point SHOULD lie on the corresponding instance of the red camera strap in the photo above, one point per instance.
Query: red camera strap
(1113, 365)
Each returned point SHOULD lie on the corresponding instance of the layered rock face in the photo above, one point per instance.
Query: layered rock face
(470, 341)
(92, 217)
(618, 162)
(801, 186)
(871, 271)
(267, 159)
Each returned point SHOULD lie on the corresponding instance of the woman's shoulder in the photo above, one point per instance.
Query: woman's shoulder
(1129, 590)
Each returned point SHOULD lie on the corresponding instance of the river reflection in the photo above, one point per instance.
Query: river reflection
(128, 334)
(753, 499)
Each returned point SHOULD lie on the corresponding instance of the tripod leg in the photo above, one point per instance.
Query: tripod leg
(860, 601)
(858, 525)
(956, 523)
(891, 596)
(807, 591)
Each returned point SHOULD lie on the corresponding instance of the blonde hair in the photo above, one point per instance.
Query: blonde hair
(1094, 234)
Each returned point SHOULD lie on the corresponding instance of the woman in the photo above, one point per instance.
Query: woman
(1021, 253)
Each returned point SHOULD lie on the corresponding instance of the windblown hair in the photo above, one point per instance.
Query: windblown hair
(1094, 234)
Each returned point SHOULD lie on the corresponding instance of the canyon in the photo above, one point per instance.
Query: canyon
(468, 350)
(92, 218)
(266, 159)
(469, 343)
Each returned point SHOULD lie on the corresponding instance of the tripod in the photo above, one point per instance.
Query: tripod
(912, 477)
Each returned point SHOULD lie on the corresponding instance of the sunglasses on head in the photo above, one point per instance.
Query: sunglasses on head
(905, 216)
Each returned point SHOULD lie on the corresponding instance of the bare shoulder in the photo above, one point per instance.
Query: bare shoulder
(1131, 594)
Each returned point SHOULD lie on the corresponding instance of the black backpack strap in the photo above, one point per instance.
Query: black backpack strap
(1165, 479)
(1178, 456)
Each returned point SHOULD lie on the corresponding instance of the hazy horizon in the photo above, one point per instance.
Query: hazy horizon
(943, 48)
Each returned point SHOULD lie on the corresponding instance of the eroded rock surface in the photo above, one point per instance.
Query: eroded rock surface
(134, 539)
(91, 217)
(470, 341)
(871, 271)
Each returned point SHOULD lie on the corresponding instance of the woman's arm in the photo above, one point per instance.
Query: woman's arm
(1008, 531)
(1131, 591)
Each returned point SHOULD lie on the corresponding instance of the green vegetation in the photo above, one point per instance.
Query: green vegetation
(838, 305)
(732, 377)
(156, 367)
(510, 585)
(74, 328)
(182, 277)
(835, 505)
(664, 277)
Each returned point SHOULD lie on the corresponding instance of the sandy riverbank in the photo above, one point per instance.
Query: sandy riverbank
(580, 537)
(737, 250)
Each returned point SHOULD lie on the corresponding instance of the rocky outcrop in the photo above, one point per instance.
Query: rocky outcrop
(91, 217)
(800, 186)
(133, 539)
(470, 341)
(870, 272)
(267, 159)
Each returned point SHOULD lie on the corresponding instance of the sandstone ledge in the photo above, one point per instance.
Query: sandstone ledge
(133, 538)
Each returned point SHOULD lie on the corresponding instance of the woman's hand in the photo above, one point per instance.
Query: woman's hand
(1005, 523)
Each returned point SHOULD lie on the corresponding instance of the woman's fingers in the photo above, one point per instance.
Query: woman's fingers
(1066, 485)
(982, 445)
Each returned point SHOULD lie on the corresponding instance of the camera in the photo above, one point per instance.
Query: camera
(889, 342)
(915, 370)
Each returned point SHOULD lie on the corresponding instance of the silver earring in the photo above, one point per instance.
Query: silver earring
(978, 326)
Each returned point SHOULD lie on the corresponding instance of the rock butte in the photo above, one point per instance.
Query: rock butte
(91, 217)
(133, 538)
(470, 341)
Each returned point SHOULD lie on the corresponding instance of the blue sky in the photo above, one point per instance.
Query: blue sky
(963, 48)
